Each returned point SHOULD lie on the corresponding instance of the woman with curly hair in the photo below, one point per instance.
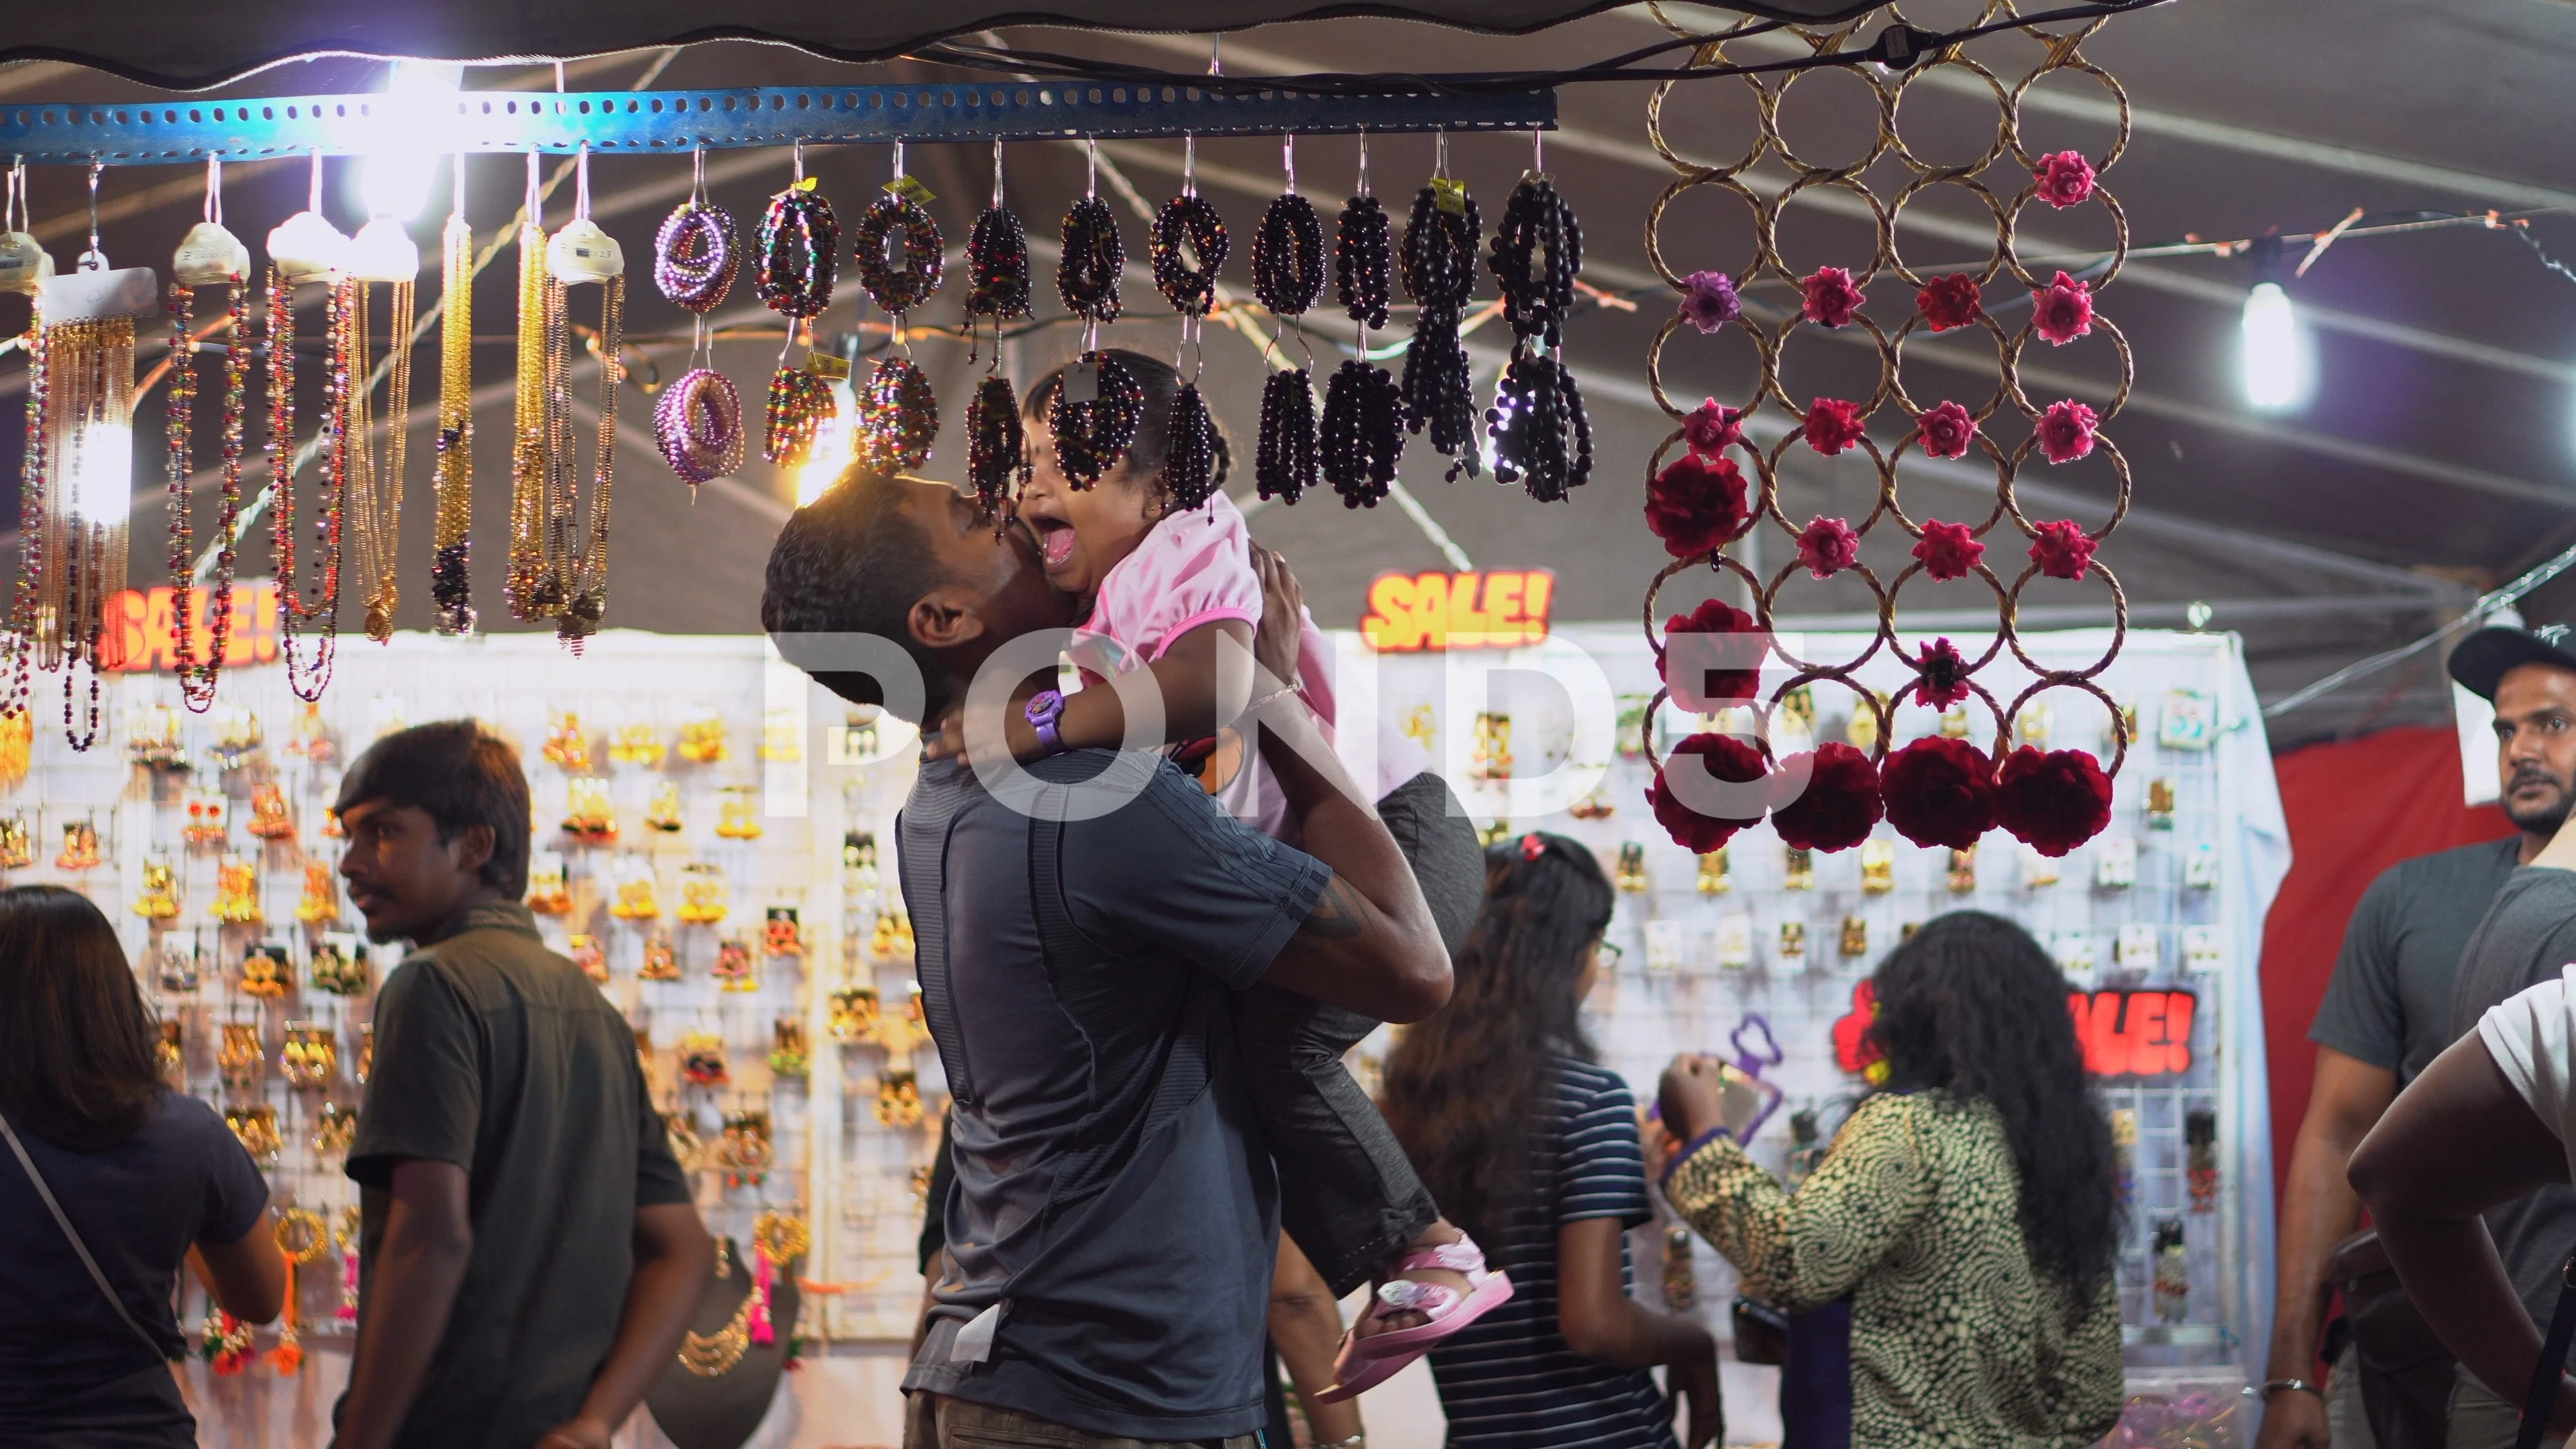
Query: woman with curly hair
(1958, 1236)
(1531, 1146)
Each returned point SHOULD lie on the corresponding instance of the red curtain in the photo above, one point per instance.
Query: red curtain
(2354, 809)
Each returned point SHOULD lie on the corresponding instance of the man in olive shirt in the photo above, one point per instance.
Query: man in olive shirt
(529, 1255)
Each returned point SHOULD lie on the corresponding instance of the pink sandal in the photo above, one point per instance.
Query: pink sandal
(1364, 1363)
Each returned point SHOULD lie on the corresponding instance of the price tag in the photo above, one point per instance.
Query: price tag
(1082, 382)
(808, 184)
(824, 364)
(909, 188)
(1450, 196)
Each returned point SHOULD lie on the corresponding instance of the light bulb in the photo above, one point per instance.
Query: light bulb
(835, 444)
(2279, 368)
(396, 180)
(100, 469)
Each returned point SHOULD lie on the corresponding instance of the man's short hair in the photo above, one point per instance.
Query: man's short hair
(459, 776)
(850, 562)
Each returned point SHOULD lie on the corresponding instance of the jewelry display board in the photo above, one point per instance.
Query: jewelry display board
(2159, 915)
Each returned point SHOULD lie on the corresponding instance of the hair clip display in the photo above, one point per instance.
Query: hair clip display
(177, 972)
(1631, 875)
(637, 898)
(781, 935)
(334, 1128)
(256, 1127)
(270, 817)
(899, 1100)
(339, 966)
(237, 892)
(154, 741)
(738, 814)
(80, 847)
(170, 1049)
(567, 746)
(702, 1060)
(744, 1152)
(661, 961)
(17, 843)
(588, 954)
(735, 967)
(309, 1055)
(209, 820)
(2172, 1273)
(158, 897)
(637, 744)
(663, 813)
(1797, 869)
(266, 970)
(549, 891)
(239, 1058)
(589, 817)
(788, 1058)
(366, 1054)
(1963, 870)
(704, 895)
(854, 1015)
(1712, 879)
(686, 1146)
(703, 742)
(2200, 1146)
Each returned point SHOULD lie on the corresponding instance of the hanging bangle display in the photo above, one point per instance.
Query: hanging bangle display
(1288, 256)
(797, 251)
(694, 257)
(1542, 435)
(698, 424)
(1288, 276)
(898, 417)
(1094, 431)
(898, 289)
(997, 266)
(1189, 247)
(1194, 464)
(1438, 266)
(1362, 260)
(1286, 463)
(996, 444)
(1362, 433)
(799, 404)
(1537, 253)
(1094, 257)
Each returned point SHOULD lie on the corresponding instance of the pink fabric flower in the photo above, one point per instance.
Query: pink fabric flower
(1941, 675)
(1712, 428)
(1833, 425)
(2065, 179)
(2066, 431)
(2063, 310)
(1946, 431)
(1830, 297)
(1827, 546)
(1696, 504)
(1948, 550)
(1950, 301)
(1709, 301)
(2063, 550)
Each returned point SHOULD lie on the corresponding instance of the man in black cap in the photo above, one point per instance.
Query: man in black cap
(2388, 1011)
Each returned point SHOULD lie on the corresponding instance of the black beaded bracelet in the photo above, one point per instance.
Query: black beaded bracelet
(1189, 246)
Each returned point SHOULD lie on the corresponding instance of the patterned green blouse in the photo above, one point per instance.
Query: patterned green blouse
(1956, 1341)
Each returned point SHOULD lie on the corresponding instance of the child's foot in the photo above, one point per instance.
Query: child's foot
(1390, 1314)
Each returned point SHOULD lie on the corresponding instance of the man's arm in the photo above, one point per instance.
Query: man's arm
(411, 1287)
(2318, 1209)
(673, 1256)
(2460, 1140)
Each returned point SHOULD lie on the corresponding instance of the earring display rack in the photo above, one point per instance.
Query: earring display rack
(677, 121)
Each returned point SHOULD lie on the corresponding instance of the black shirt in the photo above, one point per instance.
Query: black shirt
(2389, 1000)
(497, 1055)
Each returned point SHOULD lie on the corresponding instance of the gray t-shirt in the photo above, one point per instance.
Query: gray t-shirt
(2528, 936)
(2389, 1001)
(1113, 1200)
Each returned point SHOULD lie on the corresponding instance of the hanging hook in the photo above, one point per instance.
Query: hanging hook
(1091, 167)
(17, 177)
(898, 160)
(1538, 152)
(534, 203)
(313, 187)
(581, 184)
(997, 173)
(1288, 159)
(800, 158)
(1364, 181)
(1189, 164)
(1440, 153)
(215, 190)
(559, 78)
(698, 175)
(94, 259)
(455, 187)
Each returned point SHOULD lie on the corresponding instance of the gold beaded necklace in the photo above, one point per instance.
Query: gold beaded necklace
(711, 1355)
(451, 592)
(533, 432)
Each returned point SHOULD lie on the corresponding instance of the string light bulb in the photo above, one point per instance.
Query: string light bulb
(396, 180)
(2276, 359)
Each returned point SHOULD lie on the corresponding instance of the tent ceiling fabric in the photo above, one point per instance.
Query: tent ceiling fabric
(187, 47)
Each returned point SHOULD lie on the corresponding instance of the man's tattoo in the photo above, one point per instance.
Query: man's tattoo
(1337, 913)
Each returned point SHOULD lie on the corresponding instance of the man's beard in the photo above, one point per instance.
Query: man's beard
(2538, 819)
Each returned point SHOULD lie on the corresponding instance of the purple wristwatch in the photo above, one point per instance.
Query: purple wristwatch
(1042, 711)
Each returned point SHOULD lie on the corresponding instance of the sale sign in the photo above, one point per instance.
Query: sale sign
(142, 633)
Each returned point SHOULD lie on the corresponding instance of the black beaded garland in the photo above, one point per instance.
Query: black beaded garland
(899, 289)
(1189, 248)
(898, 417)
(1542, 438)
(1363, 261)
(997, 450)
(1363, 433)
(1537, 253)
(1192, 468)
(1288, 256)
(997, 266)
(798, 250)
(1092, 435)
(1094, 257)
(1285, 465)
(1439, 269)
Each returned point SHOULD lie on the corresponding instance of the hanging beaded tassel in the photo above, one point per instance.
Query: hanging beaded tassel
(799, 404)
(1094, 257)
(1190, 247)
(1542, 435)
(1363, 423)
(1288, 277)
(797, 252)
(451, 591)
(1098, 402)
(197, 671)
(997, 269)
(898, 415)
(1192, 470)
(996, 445)
(21, 633)
(1438, 264)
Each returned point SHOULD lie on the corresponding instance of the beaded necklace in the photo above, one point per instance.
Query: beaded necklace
(1438, 264)
(698, 422)
(1098, 402)
(797, 250)
(577, 547)
(1288, 277)
(1362, 435)
(535, 431)
(210, 247)
(1542, 436)
(997, 267)
(898, 415)
(1189, 247)
(451, 592)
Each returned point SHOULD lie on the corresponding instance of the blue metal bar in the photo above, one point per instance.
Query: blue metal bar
(140, 134)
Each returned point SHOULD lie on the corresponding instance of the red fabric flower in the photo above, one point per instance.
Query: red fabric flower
(1696, 504)
(2065, 179)
(2052, 802)
(1950, 301)
(2063, 550)
(1704, 676)
(1941, 675)
(1948, 550)
(2063, 310)
(1939, 792)
(1830, 298)
(2066, 431)
(1712, 428)
(1839, 804)
(1946, 431)
(1827, 546)
(1833, 425)
(1709, 301)
(1726, 758)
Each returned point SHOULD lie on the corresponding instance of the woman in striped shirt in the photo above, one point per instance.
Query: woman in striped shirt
(1532, 1147)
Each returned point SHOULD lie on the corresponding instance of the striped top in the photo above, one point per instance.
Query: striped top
(1509, 1379)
